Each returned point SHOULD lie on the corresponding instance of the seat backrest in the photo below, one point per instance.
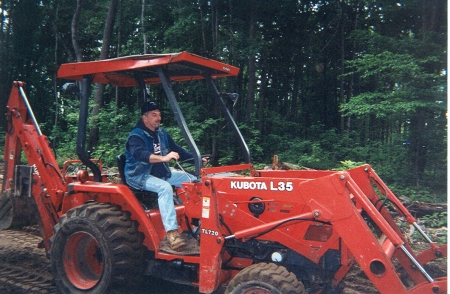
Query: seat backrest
(148, 200)
(121, 166)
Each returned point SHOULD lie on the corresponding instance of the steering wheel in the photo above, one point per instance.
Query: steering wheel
(188, 164)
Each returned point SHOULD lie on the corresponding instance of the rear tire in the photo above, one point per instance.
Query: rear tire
(96, 246)
(265, 278)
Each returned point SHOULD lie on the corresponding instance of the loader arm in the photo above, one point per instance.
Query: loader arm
(352, 202)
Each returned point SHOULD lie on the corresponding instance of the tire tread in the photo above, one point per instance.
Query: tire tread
(277, 276)
(123, 238)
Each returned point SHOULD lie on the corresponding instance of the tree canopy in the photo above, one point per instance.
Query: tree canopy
(322, 83)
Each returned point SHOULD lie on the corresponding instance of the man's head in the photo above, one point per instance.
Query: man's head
(151, 115)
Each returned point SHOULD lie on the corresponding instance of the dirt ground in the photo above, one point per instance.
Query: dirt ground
(24, 268)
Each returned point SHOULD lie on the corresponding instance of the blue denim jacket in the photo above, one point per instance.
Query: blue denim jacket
(137, 172)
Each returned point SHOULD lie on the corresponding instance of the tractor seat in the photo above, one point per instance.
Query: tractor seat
(148, 200)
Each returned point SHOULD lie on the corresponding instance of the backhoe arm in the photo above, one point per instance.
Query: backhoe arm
(23, 133)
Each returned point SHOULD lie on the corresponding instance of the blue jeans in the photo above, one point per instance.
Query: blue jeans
(165, 196)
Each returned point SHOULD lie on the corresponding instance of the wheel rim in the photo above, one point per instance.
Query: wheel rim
(82, 260)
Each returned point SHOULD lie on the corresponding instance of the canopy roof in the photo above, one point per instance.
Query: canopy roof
(121, 71)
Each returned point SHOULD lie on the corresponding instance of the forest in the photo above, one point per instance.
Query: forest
(323, 84)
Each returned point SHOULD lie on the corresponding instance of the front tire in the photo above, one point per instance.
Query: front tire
(265, 278)
(95, 246)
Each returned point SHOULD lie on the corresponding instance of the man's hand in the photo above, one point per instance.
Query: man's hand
(205, 160)
(171, 155)
(166, 158)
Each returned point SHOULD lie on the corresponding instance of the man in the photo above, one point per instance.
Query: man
(148, 150)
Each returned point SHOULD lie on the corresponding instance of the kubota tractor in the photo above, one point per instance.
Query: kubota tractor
(260, 231)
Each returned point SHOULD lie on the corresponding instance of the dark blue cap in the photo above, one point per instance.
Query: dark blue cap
(149, 106)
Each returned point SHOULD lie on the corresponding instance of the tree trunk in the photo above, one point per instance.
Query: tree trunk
(74, 31)
(419, 209)
(144, 37)
(419, 144)
(214, 26)
(342, 79)
(119, 39)
(293, 109)
(202, 21)
(251, 66)
(262, 94)
(55, 85)
(98, 98)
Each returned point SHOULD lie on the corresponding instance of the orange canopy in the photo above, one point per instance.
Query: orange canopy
(121, 71)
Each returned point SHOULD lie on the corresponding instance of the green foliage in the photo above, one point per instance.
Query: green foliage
(327, 151)
(348, 164)
(114, 124)
(414, 193)
(435, 220)
(253, 140)
(395, 80)
(323, 84)
(64, 134)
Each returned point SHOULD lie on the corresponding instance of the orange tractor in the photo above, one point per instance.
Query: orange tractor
(260, 231)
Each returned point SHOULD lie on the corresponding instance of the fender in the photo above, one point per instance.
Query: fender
(117, 194)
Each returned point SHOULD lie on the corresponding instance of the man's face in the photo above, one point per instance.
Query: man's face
(152, 119)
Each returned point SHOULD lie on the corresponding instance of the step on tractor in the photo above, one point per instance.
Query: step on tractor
(249, 230)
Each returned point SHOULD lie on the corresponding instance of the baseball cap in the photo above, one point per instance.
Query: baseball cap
(149, 106)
